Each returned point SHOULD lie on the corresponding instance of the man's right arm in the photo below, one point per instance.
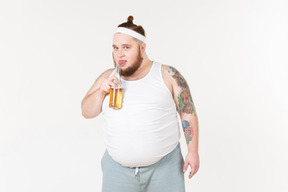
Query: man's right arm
(92, 103)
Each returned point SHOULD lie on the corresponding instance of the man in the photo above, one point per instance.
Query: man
(142, 138)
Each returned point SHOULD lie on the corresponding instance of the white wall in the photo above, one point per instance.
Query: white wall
(232, 53)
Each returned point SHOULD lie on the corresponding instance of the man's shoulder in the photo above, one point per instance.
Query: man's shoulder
(165, 67)
(168, 70)
(172, 77)
(106, 73)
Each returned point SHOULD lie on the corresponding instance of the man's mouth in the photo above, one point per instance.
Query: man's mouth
(122, 62)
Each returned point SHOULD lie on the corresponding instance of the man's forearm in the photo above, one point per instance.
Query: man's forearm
(193, 144)
(92, 104)
(190, 129)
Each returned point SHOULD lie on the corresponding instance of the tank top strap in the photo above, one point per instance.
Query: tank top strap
(156, 71)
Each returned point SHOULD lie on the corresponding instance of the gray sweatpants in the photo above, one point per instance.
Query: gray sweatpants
(166, 175)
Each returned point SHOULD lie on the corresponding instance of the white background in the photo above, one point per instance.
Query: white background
(233, 53)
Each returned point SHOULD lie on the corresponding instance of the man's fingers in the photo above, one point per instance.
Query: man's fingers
(113, 78)
(192, 172)
(112, 84)
(105, 88)
(113, 81)
(108, 83)
(185, 166)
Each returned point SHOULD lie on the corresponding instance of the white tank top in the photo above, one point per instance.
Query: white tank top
(146, 128)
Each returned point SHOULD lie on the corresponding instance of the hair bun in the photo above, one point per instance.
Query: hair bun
(130, 19)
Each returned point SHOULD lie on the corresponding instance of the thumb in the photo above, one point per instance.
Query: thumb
(185, 166)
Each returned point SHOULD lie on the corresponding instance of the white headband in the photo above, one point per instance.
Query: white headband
(131, 33)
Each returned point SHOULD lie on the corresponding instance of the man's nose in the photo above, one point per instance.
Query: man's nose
(120, 53)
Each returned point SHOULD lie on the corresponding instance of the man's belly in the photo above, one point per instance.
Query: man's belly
(139, 154)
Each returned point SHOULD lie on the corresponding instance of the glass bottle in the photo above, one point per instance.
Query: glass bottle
(116, 94)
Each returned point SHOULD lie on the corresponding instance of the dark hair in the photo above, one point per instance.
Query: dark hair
(130, 25)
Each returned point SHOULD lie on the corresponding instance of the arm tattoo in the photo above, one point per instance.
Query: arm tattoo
(185, 102)
(188, 131)
(179, 78)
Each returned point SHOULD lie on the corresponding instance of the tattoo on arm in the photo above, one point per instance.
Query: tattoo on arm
(188, 131)
(185, 102)
(179, 78)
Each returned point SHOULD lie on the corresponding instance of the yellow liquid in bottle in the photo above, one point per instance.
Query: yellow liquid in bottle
(115, 99)
(111, 97)
(118, 99)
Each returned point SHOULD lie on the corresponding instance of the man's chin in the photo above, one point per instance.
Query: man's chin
(127, 72)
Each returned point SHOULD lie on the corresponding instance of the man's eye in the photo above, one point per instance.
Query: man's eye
(115, 48)
(126, 47)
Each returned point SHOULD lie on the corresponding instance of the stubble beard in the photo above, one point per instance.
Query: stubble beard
(133, 68)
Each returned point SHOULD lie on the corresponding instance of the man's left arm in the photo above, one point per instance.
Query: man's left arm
(187, 112)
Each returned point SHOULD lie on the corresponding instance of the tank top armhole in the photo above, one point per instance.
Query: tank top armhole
(162, 79)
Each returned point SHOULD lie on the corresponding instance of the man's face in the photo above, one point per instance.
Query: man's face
(126, 53)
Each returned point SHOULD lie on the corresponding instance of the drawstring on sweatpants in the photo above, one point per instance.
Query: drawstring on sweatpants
(136, 171)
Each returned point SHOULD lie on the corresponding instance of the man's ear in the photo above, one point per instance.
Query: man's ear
(143, 47)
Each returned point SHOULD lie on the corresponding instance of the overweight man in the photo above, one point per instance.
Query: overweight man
(142, 138)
